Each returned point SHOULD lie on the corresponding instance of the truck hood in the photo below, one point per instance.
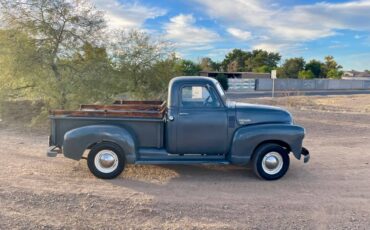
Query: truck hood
(247, 114)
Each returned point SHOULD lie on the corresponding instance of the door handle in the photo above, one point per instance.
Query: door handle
(183, 114)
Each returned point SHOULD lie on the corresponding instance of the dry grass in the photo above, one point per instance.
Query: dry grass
(360, 103)
(344, 103)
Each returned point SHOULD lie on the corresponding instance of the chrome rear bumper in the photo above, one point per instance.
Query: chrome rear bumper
(306, 155)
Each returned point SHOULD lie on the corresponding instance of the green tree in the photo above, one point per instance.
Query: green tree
(235, 60)
(263, 69)
(234, 66)
(257, 61)
(216, 66)
(92, 73)
(334, 74)
(206, 64)
(162, 72)
(137, 57)
(187, 68)
(262, 61)
(18, 64)
(305, 74)
(331, 68)
(291, 68)
(58, 30)
(330, 63)
(316, 67)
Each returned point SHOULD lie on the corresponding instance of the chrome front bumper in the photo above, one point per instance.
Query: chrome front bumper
(53, 151)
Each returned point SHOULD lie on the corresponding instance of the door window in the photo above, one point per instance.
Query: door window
(198, 97)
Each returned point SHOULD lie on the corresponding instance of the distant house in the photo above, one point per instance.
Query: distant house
(356, 75)
(246, 75)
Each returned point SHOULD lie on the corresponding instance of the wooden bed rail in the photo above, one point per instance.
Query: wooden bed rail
(139, 109)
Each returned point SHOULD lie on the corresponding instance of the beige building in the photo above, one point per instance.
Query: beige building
(355, 75)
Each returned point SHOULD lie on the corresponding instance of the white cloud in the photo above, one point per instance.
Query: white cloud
(240, 34)
(284, 48)
(127, 15)
(271, 47)
(285, 25)
(182, 30)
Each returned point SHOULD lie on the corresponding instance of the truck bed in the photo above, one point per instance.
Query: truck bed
(143, 118)
(134, 109)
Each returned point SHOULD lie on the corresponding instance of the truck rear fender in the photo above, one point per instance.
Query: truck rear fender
(76, 141)
(246, 139)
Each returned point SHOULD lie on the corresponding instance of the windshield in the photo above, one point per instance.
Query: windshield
(221, 92)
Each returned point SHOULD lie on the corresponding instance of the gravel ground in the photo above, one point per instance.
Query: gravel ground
(331, 192)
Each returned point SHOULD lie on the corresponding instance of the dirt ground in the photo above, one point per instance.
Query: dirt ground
(331, 192)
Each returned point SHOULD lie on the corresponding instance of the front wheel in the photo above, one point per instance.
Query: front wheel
(270, 162)
(106, 160)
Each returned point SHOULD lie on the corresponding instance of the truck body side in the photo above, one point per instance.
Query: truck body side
(218, 132)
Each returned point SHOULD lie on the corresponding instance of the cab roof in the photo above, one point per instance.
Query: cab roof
(177, 81)
(196, 79)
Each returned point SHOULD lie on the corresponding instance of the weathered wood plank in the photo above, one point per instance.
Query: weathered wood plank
(141, 109)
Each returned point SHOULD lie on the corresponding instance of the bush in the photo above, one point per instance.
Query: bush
(334, 74)
(305, 74)
(224, 81)
(262, 69)
(21, 112)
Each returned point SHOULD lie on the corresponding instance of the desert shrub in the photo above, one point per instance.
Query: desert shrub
(21, 112)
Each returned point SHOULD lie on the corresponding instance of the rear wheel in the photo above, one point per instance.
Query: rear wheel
(270, 161)
(106, 160)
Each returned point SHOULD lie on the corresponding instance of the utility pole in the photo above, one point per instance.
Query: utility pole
(273, 77)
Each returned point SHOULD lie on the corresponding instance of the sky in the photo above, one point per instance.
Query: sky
(212, 28)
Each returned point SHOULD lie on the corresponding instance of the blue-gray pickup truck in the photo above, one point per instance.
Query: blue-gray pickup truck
(197, 125)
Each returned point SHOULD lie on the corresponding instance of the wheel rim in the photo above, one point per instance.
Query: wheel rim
(106, 161)
(272, 163)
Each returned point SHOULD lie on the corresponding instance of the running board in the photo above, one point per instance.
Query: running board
(181, 162)
(161, 156)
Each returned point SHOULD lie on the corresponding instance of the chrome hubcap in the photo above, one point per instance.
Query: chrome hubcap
(272, 163)
(106, 161)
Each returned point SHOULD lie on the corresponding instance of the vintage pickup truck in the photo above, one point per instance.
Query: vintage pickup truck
(197, 125)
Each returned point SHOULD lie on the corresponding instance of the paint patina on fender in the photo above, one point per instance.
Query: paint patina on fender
(79, 139)
(246, 139)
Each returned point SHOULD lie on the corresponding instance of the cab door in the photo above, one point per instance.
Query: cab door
(201, 124)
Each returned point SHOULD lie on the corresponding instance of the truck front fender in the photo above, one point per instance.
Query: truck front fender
(76, 141)
(246, 139)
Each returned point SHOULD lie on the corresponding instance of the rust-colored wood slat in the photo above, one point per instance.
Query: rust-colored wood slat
(109, 114)
(121, 107)
(138, 102)
(140, 109)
